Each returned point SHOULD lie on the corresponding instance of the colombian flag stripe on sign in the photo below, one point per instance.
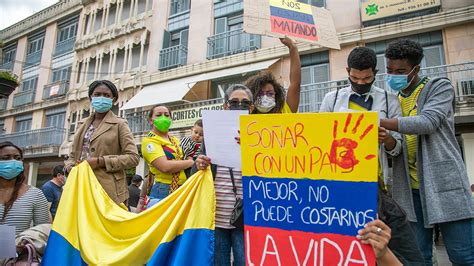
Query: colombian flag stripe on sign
(291, 15)
(90, 228)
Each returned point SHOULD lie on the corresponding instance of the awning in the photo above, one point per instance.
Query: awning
(175, 90)
(164, 92)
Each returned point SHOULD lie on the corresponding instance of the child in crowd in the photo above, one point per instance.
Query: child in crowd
(192, 144)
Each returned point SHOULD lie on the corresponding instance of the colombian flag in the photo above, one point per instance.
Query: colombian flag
(90, 228)
(309, 183)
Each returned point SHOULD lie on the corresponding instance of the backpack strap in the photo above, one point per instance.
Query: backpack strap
(335, 99)
(386, 103)
(233, 182)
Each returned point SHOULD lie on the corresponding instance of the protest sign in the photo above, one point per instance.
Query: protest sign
(300, 21)
(309, 183)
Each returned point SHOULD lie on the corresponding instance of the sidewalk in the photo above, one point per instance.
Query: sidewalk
(442, 255)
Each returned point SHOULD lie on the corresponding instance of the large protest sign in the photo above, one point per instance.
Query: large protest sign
(310, 183)
(300, 21)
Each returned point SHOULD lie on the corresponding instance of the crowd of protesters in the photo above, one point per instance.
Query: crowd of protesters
(429, 185)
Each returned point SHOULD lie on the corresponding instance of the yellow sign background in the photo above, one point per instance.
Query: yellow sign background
(301, 145)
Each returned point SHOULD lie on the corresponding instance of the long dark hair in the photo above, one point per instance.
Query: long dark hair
(18, 182)
(257, 82)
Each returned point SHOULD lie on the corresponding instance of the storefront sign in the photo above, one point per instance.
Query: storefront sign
(183, 118)
(376, 9)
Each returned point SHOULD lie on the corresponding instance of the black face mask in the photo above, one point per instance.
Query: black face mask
(361, 88)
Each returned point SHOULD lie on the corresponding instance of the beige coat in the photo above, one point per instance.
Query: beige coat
(113, 141)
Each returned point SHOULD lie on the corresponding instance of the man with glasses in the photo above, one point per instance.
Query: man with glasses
(430, 179)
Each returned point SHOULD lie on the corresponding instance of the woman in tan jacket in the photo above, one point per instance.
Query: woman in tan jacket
(105, 142)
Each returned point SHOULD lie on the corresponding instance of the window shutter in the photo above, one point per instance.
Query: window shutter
(183, 39)
(166, 39)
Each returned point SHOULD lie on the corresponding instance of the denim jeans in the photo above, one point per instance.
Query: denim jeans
(458, 237)
(160, 191)
(225, 239)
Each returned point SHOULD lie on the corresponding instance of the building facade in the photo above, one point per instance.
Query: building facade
(185, 53)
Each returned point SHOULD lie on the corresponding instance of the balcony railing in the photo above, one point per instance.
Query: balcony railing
(50, 136)
(461, 76)
(173, 57)
(56, 89)
(3, 104)
(64, 47)
(24, 97)
(231, 42)
(33, 58)
(7, 66)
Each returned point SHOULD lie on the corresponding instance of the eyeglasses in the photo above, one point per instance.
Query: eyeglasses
(236, 102)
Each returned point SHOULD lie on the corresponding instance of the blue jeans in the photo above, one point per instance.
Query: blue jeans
(225, 239)
(458, 237)
(160, 191)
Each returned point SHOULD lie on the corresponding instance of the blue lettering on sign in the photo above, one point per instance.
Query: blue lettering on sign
(338, 207)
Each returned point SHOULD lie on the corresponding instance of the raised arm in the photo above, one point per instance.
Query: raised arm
(293, 95)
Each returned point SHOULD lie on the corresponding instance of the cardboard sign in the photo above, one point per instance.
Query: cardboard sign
(309, 183)
(300, 21)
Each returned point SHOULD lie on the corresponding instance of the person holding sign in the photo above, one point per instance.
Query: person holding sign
(163, 154)
(269, 94)
(431, 182)
(228, 186)
(361, 95)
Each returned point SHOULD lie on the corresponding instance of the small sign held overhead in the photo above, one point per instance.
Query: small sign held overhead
(299, 21)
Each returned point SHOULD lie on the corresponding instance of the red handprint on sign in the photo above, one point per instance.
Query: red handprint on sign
(342, 150)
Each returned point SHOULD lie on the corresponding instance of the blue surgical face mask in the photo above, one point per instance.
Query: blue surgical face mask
(10, 169)
(101, 104)
(399, 82)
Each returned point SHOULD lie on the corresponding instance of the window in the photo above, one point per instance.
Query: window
(136, 55)
(314, 71)
(67, 32)
(104, 68)
(318, 3)
(23, 123)
(55, 117)
(178, 6)
(125, 10)
(219, 86)
(175, 38)
(61, 74)
(29, 84)
(119, 61)
(86, 24)
(230, 39)
(141, 6)
(9, 53)
(98, 20)
(432, 43)
(35, 44)
(91, 69)
(2, 126)
(112, 14)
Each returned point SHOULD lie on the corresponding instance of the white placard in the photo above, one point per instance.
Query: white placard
(220, 130)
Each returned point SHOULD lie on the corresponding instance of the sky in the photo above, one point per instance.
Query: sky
(12, 11)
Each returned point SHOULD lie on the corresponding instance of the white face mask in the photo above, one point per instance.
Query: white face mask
(265, 104)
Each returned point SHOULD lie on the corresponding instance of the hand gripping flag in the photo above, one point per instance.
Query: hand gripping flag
(90, 228)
